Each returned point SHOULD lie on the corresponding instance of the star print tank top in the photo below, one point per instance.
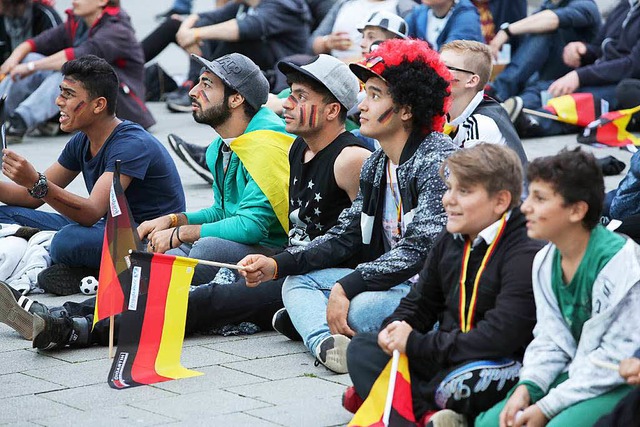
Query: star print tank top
(315, 200)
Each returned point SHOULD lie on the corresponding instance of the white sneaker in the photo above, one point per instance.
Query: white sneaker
(447, 418)
(332, 353)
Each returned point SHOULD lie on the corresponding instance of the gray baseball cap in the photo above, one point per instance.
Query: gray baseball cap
(241, 74)
(332, 74)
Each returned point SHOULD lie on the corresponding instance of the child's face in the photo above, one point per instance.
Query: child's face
(469, 207)
(370, 35)
(379, 116)
(547, 213)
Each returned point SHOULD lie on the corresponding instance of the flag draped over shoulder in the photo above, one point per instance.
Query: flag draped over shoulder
(578, 109)
(611, 129)
(119, 237)
(152, 330)
(372, 410)
(265, 154)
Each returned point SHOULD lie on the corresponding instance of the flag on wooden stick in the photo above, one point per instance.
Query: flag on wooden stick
(152, 330)
(389, 402)
(120, 237)
(611, 129)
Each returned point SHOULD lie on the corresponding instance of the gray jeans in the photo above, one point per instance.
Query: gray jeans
(32, 97)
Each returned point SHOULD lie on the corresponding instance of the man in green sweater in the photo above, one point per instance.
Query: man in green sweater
(250, 168)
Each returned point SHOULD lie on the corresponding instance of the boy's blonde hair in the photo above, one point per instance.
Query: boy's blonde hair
(495, 167)
(477, 58)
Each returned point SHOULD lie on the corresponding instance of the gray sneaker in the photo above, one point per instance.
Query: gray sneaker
(332, 353)
(513, 106)
(17, 311)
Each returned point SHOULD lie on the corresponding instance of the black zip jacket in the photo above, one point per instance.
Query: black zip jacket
(505, 312)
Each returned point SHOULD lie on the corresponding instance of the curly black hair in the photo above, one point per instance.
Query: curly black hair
(417, 85)
(576, 176)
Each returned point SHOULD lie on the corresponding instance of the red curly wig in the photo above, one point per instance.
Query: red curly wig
(416, 77)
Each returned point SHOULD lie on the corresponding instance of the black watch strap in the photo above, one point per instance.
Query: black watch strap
(505, 27)
(40, 188)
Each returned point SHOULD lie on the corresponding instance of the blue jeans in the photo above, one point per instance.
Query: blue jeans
(305, 298)
(33, 97)
(219, 250)
(531, 99)
(73, 244)
(537, 53)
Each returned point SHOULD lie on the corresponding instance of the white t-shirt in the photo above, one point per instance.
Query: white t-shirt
(392, 225)
(435, 26)
(349, 18)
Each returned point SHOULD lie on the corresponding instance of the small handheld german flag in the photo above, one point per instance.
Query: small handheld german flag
(611, 129)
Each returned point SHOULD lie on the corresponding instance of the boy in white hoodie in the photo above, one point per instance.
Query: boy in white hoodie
(586, 284)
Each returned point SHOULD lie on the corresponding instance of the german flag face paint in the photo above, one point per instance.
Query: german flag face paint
(79, 107)
(385, 117)
(303, 114)
(313, 116)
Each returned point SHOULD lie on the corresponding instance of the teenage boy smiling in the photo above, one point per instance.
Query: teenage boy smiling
(476, 284)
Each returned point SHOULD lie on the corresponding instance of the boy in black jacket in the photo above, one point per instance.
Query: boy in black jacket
(469, 361)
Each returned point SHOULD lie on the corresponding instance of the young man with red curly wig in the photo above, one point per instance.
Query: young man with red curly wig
(351, 278)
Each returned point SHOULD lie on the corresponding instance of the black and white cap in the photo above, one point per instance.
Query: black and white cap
(388, 21)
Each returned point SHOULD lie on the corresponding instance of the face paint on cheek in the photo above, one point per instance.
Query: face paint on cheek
(204, 96)
(303, 114)
(79, 107)
(386, 116)
(313, 116)
(292, 99)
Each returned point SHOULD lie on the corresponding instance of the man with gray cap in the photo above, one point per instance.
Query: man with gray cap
(248, 161)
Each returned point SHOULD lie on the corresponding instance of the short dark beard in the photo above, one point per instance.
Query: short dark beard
(214, 116)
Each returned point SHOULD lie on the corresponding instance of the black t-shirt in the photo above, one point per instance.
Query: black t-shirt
(315, 200)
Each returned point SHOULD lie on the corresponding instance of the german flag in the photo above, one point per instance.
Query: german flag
(578, 109)
(371, 413)
(152, 330)
(270, 169)
(611, 129)
(119, 238)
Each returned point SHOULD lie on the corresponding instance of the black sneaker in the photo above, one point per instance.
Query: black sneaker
(26, 232)
(17, 311)
(50, 332)
(281, 323)
(332, 353)
(60, 279)
(16, 129)
(195, 156)
(174, 141)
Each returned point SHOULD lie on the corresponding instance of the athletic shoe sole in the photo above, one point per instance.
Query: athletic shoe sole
(174, 143)
(12, 314)
(195, 166)
(178, 108)
(332, 353)
(514, 107)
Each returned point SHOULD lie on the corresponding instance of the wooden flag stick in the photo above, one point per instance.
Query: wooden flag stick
(215, 264)
(392, 386)
(111, 328)
(541, 114)
(603, 364)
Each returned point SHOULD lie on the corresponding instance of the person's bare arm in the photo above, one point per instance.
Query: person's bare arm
(226, 31)
(16, 56)
(542, 22)
(52, 62)
(347, 169)
(13, 166)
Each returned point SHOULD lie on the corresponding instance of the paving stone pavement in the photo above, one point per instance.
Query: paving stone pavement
(259, 380)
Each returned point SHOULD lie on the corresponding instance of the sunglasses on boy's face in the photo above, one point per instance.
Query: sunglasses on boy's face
(459, 69)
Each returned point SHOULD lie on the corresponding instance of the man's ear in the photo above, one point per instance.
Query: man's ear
(473, 81)
(99, 105)
(578, 211)
(503, 201)
(235, 100)
(332, 110)
(405, 113)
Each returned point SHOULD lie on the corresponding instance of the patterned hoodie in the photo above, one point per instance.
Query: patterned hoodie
(359, 238)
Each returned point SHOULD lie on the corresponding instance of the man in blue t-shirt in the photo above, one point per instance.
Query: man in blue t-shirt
(87, 103)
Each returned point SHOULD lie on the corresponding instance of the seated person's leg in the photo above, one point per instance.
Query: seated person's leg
(305, 298)
(220, 250)
(625, 413)
(534, 54)
(368, 309)
(587, 412)
(213, 305)
(366, 361)
(32, 218)
(78, 246)
(160, 38)
(21, 89)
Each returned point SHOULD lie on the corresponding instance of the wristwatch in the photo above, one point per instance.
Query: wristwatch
(505, 27)
(40, 188)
